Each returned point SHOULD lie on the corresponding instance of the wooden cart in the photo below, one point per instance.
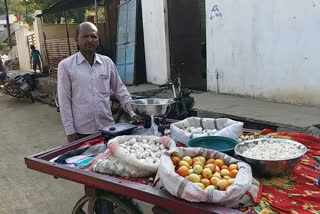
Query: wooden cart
(118, 192)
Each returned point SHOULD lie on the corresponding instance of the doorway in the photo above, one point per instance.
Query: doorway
(130, 56)
(187, 37)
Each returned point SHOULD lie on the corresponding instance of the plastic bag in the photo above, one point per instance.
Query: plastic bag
(152, 131)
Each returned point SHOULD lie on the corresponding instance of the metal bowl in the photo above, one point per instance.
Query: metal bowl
(270, 168)
(152, 106)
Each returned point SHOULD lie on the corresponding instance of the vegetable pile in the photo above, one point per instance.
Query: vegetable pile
(206, 174)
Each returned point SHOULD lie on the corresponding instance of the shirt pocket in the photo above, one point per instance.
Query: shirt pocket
(103, 84)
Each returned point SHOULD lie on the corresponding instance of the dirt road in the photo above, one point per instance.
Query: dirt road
(25, 129)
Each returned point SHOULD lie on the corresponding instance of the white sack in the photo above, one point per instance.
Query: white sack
(118, 161)
(180, 187)
(226, 128)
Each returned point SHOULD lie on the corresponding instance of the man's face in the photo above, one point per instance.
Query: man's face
(87, 40)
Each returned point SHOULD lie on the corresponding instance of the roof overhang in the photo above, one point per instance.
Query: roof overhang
(68, 4)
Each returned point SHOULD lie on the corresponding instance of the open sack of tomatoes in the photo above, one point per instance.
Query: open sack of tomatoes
(194, 127)
(202, 175)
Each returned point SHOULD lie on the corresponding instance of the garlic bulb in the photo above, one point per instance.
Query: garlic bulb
(154, 149)
(132, 141)
(199, 130)
(136, 146)
(151, 143)
(146, 151)
(158, 154)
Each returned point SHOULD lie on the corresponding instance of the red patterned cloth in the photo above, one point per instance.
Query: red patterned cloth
(299, 192)
(93, 142)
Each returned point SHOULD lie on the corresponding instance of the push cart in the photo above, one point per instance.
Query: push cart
(117, 193)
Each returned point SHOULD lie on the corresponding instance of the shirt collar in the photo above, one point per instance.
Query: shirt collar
(81, 58)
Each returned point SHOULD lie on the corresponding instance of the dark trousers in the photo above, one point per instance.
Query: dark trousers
(35, 64)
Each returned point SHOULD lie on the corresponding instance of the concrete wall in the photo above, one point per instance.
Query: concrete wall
(23, 51)
(40, 43)
(13, 53)
(156, 40)
(265, 49)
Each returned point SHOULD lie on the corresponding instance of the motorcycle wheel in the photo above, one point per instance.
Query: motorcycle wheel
(13, 91)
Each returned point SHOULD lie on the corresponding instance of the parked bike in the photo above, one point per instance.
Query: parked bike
(184, 102)
(20, 86)
(181, 109)
(4, 77)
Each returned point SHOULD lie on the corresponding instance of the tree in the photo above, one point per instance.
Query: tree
(21, 7)
(73, 15)
(28, 7)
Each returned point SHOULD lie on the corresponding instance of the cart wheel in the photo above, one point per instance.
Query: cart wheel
(77, 209)
(108, 203)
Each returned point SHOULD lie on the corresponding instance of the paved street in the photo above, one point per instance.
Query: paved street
(26, 129)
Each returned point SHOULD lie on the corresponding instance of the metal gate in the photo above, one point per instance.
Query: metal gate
(126, 41)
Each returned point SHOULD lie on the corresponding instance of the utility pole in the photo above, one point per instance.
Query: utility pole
(8, 24)
(27, 19)
(96, 10)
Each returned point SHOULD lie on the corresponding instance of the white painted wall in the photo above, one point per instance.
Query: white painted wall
(156, 40)
(265, 49)
(23, 51)
(40, 42)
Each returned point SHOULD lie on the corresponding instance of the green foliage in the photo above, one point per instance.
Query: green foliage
(3, 46)
(2, 8)
(28, 7)
(73, 16)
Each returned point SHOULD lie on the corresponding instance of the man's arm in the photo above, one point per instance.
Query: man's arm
(2, 66)
(65, 102)
(120, 91)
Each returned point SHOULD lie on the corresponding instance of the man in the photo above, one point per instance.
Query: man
(85, 82)
(2, 68)
(3, 73)
(35, 55)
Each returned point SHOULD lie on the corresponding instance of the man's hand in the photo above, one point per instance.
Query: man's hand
(137, 119)
(72, 137)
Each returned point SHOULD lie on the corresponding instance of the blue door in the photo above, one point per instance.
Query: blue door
(126, 41)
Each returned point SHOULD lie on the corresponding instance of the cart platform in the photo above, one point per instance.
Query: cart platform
(95, 181)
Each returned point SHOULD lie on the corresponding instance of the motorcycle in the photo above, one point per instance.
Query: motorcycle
(20, 86)
(181, 109)
(4, 77)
